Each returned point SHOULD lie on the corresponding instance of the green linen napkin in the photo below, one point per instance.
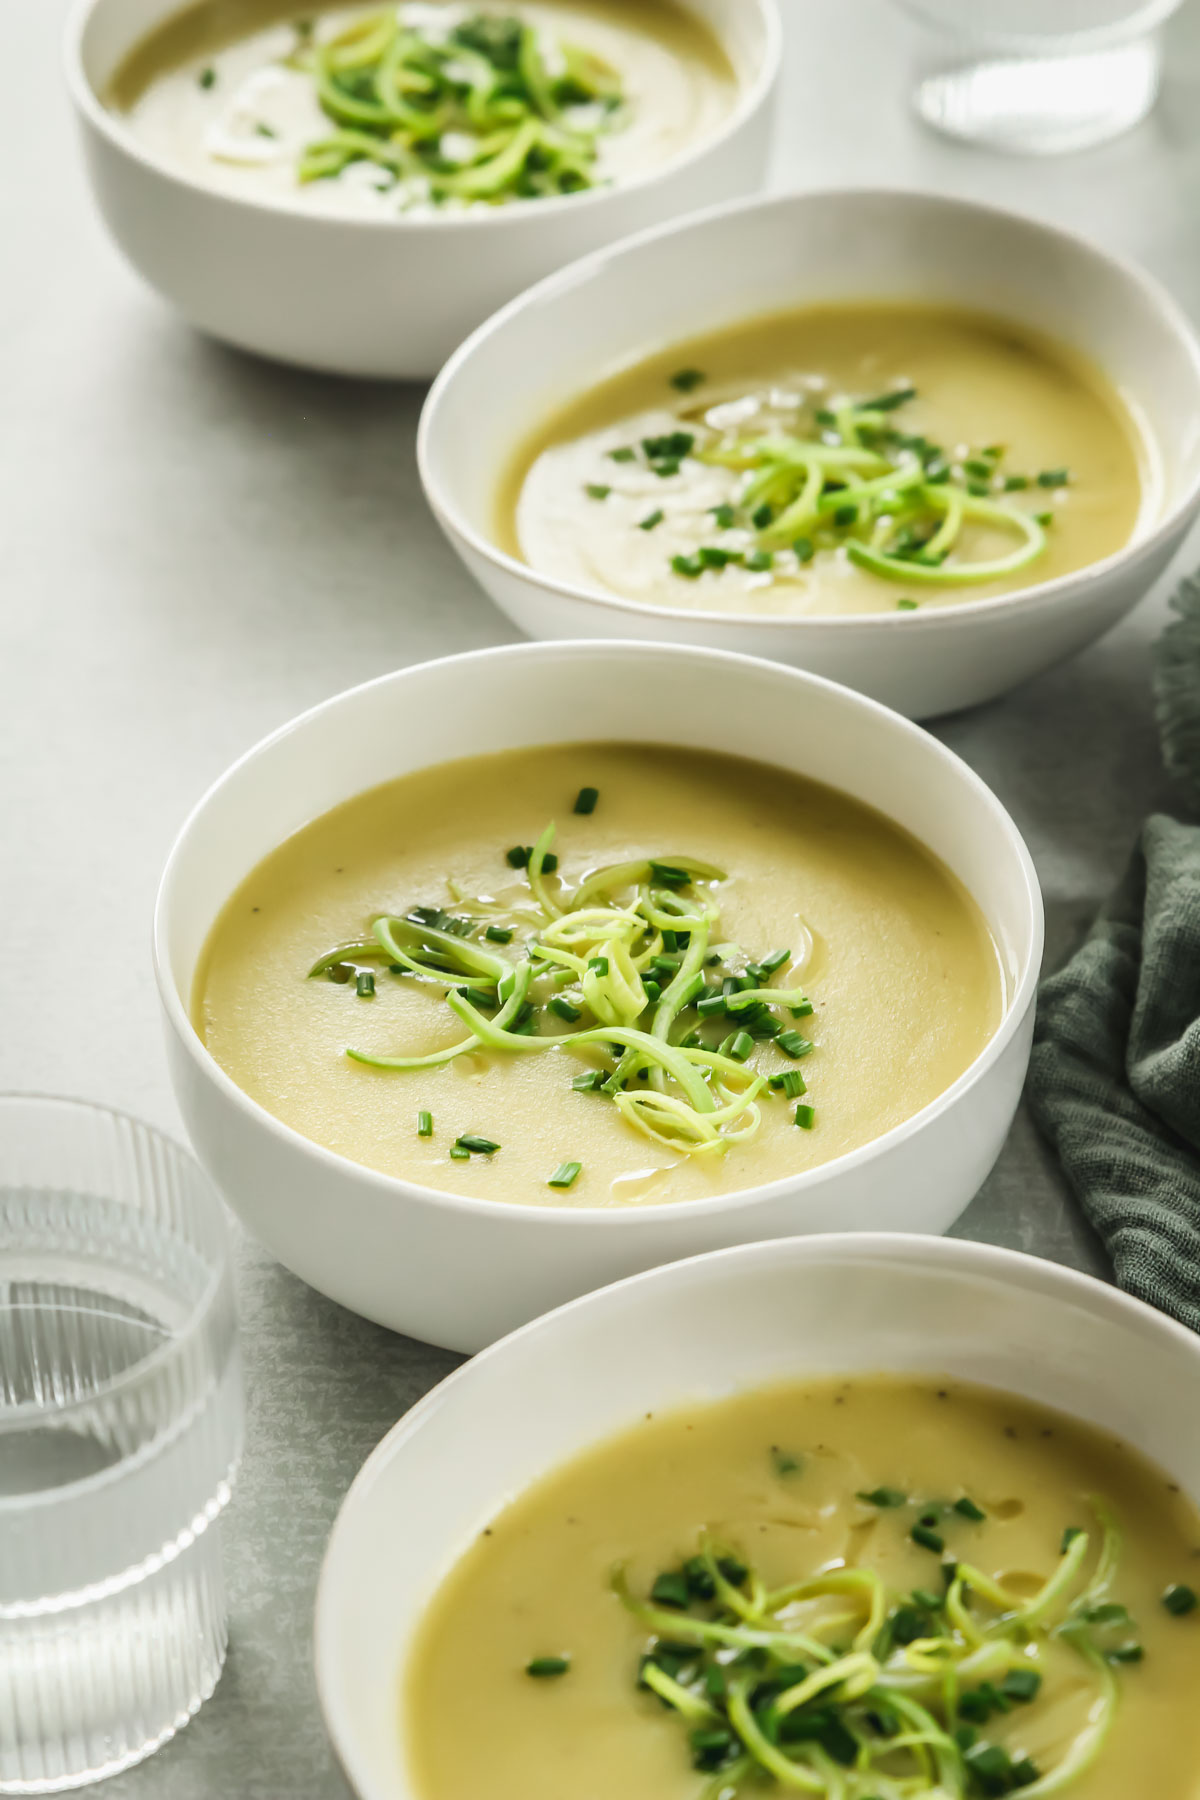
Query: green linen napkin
(1114, 1081)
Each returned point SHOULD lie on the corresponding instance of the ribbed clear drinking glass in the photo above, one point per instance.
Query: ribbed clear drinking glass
(1039, 77)
(120, 1432)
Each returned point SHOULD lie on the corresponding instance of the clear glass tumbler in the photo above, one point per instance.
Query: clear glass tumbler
(1039, 76)
(120, 1432)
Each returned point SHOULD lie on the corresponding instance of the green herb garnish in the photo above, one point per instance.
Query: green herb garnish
(772, 1690)
(394, 92)
(564, 1175)
(687, 379)
(543, 1667)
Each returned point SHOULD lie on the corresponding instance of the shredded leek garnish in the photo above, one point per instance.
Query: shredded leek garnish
(837, 1687)
(483, 109)
(847, 477)
(631, 956)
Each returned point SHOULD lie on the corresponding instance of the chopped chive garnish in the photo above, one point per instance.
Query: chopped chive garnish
(711, 1006)
(690, 566)
(783, 1462)
(1014, 484)
(759, 559)
(585, 800)
(724, 515)
(364, 985)
(424, 1124)
(1179, 1600)
(667, 466)
(907, 605)
(687, 379)
(671, 1589)
(1125, 1653)
(563, 1007)
(804, 549)
(518, 857)
(976, 466)
(207, 78)
(670, 875)
(652, 987)
(459, 1153)
(887, 402)
(596, 490)
(624, 453)
(265, 130)
(823, 416)
(1021, 1684)
(711, 556)
(927, 1538)
(980, 489)
(761, 517)
(845, 515)
(651, 519)
(792, 1044)
(549, 863)
(967, 1507)
(599, 965)
(589, 1083)
(499, 934)
(671, 448)
(884, 1496)
(475, 1146)
(805, 1116)
(791, 1084)
(543, 1666)
(1068, 1538)
(1053, 478)
(564, 1175)
(738, 1045)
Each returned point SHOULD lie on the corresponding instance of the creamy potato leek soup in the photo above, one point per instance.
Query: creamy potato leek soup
(425, 106)
(597, 975)
(903, 1589)
(847, 459)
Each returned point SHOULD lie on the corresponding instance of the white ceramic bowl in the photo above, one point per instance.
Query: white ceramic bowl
(381, 297)
(461, 1271)
(702, 1330)
(736, 262)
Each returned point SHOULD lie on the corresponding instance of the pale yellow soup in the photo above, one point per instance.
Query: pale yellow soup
(573, 511)
(904, 979)
(537, 1583)
(219, 92)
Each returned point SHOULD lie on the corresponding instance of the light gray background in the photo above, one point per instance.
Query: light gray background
(196, 546)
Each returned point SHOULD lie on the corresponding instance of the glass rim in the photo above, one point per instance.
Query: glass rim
(218, 1280)
(1152, 15)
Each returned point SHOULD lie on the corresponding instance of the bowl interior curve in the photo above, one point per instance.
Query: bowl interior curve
(792, 251)
(702, 1330)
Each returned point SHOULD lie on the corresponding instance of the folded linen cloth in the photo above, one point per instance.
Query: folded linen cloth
(1114, 1081)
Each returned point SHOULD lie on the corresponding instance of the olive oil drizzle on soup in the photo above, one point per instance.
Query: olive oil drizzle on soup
(1004, 1594)
(848, 459)
(424, 107)
(597, 975)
